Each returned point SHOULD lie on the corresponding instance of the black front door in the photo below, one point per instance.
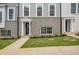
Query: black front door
(67, 25)
(27, 28)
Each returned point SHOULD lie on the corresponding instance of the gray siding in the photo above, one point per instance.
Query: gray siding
(21, 10)
(12, 4)
(11, 25)
(57, 9)
(37, 23)
(15, 5)
(32, 9)
(45, 9)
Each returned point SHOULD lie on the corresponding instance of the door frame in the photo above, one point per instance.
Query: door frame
(71, 24)
(24, 20)
(26, 25)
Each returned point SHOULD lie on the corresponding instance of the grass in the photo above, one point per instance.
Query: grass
(51, 41)
(6, 42)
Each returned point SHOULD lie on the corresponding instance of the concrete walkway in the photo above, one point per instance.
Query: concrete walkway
(55, 50)
(17, 44)
(73, 35)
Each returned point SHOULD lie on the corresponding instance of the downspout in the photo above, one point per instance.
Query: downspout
(18, 22)
(60, 20)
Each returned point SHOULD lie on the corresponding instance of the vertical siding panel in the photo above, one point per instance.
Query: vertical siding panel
(32, 9)
(57, 10)
(45, 9)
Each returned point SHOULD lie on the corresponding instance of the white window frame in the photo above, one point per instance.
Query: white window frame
(29, 8)
(36, 8)
(2, 25)
(46, 34)
(2, 16)
(71, 28)
(49, 9)
(76, 9)
(13, 14)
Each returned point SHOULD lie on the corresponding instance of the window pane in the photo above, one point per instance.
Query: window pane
(26, 11)
(11, 13)
(9, 33)
(73, 7)
(5, 33)
(52, 10)
(43, 30)
(0, 17)
(49, 30)
(78, 7)
(2, 32)
(39, 9)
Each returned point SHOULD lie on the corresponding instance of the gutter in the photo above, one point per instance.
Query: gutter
(60, 20)
(18, 22)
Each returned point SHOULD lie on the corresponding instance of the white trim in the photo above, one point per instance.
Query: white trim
(29, 28)
(71, 24)
(49, 9)
(76, 8)
(23, 10)
(42, 8)
(13, 13)
(22, 29)
(2, 25)
(28, 7)
(29, 10)
(22, 25)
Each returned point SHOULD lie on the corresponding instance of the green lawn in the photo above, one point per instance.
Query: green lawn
(52, 41)
(4, 43)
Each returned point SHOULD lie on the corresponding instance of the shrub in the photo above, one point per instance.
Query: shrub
(47, 36)
(63, 35)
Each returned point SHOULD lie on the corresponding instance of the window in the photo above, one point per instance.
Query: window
(5, 33)
(73, 7)
(49, 30)
(78, 7)
(11, 12)
(0, 17)
(39, 9)
(43, 30)
(52, 10)
(26, 11)
(46, 30)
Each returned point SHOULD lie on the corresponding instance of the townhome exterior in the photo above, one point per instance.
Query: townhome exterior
(40, 19)
(70, 18)
(35, 19)
(8, 20)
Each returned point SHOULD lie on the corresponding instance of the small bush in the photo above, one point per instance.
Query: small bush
(18, 37)
(63, 35)
(33, 37)
(47, 36)
(8, 38)
(42, 36)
